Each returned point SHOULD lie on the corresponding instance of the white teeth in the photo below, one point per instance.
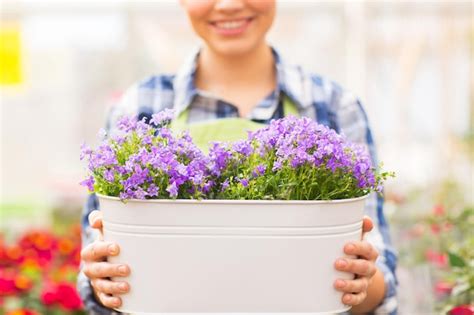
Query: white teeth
(230, 25)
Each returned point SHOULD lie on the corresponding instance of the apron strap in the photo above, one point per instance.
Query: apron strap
(289, 107)
(181, 120)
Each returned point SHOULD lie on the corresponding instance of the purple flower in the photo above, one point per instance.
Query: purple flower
(127, 123)
(162, 117)
(119, 139)
(140, 193)
(147, 140)
(277, 166)
(259, 170)
(89, 183)
(152, 190)
(172, 189)
(225, 184)
(85, 151)
(244, 182)
(208, 186)
(242, 147)
(109, 175)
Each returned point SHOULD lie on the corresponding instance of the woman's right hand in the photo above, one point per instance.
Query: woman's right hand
(99, 271)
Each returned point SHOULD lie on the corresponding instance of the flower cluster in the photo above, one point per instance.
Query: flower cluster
(290, 159)
(295, 159)
(38, 274)
(146, 161)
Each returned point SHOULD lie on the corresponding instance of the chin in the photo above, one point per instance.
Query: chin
(234, 47)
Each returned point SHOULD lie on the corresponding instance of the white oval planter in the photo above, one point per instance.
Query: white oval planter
(209, 256)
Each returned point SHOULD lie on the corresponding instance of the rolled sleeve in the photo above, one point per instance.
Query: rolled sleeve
(389, 304)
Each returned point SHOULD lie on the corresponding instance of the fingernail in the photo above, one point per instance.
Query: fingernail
(340, 283)
(123, 286)
(112, 249)
(347, 298)
(350, 247)
(342, 263)
(122, 269)
(116, 302)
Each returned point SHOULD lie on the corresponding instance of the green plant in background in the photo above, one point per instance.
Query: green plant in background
(442, 239)
(458, 247)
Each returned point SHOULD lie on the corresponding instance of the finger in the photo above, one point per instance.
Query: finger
(354, 299)
(110, 287)
(367, 225)
(352, 286)
(359, 267)
(99, 250)
(109, 301)
(361, 248)
(105, 270)
(95, 219)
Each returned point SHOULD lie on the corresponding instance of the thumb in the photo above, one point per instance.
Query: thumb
(95, 220)
(367, 225)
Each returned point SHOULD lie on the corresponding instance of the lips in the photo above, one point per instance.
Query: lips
(231, 27)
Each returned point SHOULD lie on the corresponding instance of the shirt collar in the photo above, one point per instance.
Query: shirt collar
(290, 80)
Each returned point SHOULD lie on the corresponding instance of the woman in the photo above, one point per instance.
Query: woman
(237, 74)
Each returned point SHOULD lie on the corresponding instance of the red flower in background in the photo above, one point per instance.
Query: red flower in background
(462, 310)
(437, 258)
(438, 210)
(14, 283)
(63, 294)
(7, 286)
(435, 228)
(443, 288)
(48, 295)
(39, 246)
(42, 267)
(68, 297)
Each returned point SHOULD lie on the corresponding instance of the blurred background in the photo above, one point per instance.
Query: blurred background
(63, 64)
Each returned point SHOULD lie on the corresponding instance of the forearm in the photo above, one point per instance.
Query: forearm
(375, 295)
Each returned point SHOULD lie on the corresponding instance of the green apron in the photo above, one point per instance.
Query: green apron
(225, 129)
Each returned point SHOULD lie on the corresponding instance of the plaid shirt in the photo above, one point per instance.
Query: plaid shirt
(314, 96)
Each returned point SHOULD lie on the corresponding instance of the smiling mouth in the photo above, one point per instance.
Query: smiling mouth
(230, 25)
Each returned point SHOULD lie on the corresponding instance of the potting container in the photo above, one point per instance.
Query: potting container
(231, 256)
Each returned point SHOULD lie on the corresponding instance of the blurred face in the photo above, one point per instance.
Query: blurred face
(231, 27)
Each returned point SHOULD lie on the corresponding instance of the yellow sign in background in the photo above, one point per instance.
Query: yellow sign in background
(10, 55)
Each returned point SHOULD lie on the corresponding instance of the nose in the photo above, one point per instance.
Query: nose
(229, 6)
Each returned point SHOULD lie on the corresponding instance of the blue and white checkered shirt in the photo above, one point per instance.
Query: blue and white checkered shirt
(314, 96)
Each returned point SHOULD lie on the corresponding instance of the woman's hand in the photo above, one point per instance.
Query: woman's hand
(360, 290)
(99, 271)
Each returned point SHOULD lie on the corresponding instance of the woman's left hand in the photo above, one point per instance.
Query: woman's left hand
(363, 266)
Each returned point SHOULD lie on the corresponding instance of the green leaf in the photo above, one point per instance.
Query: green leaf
(455, 260)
